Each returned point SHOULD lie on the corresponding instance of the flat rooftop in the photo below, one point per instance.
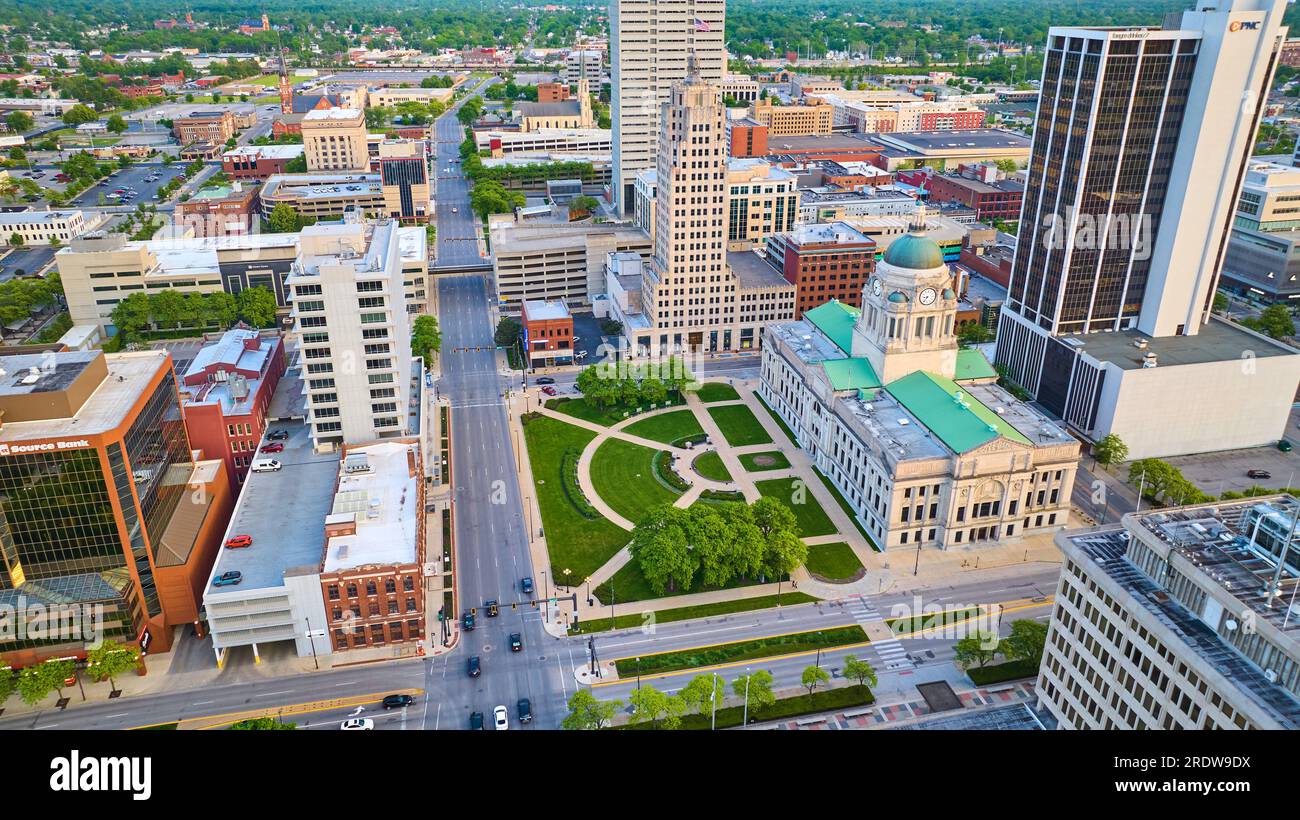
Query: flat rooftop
(754, 271)
(322, 186)
(35, 217)
(382, 501)
(967, 139)
(332, 114)
(265, 151)
(104, 410)
(283, 511)
(538, 310)
(1217, 341)
(1107, 549)
(838, 233)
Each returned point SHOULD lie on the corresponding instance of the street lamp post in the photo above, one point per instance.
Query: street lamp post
(917, 568)
(638, 674)
(311, 639)
(714, 699)
(745, 719)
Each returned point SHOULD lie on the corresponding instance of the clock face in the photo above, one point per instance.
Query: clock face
(927, 296)
(875, 287)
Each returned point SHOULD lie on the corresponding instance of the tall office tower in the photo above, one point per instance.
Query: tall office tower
(1141, 141)
(349, 311)
(649, 43)
(404, 175)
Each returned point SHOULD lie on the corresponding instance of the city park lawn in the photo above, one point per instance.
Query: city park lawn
(687, 613)
(758, 462)
(629, 584)
(812, 519)
(755, 649)
(575, 541)
(606, 416)
(717, 391)
(709, 464)
(834, 562)
(785, 428)
(624, 477)
(739, 426)
(667, 427)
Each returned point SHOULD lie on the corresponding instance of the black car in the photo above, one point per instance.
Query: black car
(467, 621)
(526, 584)
(473, 666)
(516, 643)
(492, 609)
(398, 701)
(1258, 474)
(277, 435)
(476, 720)
(525, 711)
(544, 380)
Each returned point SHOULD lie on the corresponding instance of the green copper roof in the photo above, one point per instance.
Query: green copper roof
(850, 374)
(963, 425)
(971, 364)
(914, 252)
(835, 319)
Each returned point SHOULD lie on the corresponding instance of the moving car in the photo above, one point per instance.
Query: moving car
(228, 579)
(453, 210)
(273, 447)
(1284, 446)
(1258, 474)
(524, 710)
(474, 666)
(266, 465)
(501, 718)
(526, 585)
(467, 621)
(239, 541)
(550, 391)
(544, 380)
(476, 720)
(354, 724)
(398, 701)
(516, 644)
(492, 608)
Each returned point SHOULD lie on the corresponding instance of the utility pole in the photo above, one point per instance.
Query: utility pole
(745, 719)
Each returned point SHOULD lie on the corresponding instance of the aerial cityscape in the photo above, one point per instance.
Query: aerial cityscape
(649, 364)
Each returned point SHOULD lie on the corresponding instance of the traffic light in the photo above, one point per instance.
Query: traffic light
(473, 610)
(442, 615)
(514, 607)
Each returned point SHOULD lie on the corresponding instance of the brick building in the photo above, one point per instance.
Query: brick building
(204, 126)
(223, 210)
(259, 161)
(548, 332)
(824, 262)
(991, 199)
(746, 138)
(552, 92)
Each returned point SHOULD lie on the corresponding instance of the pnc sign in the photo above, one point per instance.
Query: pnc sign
(1243, 25)
(42, 447)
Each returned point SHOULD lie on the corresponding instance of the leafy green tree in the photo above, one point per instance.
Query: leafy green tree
(8, 685)
(814, 676)
(426, 339)
(1274, 321)
(1027, 640)
(297, 165)
(1111, 449)
(973, 333)
(760, 689)
(587, 713)
(20, 121)
(1220, 303)
(255, 306)
(977, 649)
(662, 551)
(284, 219)
(653, 391)
(220, 309)
(704, 692)
(16, 239)
(648, 704)
(79, 115)
(507, 332)
(110, 659)
(860, 671)
(582, 204)
(116, 123)
(263, 724)
(36, 682)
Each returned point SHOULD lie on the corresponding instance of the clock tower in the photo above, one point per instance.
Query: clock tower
(909, 310)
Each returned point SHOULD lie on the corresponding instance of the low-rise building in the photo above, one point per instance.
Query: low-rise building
(335, 140)
(325, 196)
(812, 117)
(548, 333)
(746, 137)
(404, 180)
(1263, 255)
(982, 188)
(544, 140)
(824, 262)
(42, 227)
(221, 210)
(226, 391)
(259, 161)
(762, 199)
(204, 126)
(569, 114)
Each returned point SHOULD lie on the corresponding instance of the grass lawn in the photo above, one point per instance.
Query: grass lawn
(1012, 670)
(710, 466)
(757, 462)
(740, 651)
(666, 427)
(717, 391)
(580, 409)
(785, 428)
(624, 476)
(844, 505)
(628, 585)
(812, 518)
(739, 426)
(834, 562)
(823, 700)
(687, 613)
(916, 623)
(575, 542)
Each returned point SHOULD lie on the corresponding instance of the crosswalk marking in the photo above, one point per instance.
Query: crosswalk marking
(889, 651)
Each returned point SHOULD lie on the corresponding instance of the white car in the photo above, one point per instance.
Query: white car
(501, 718)
(354, 724)
(269, 465)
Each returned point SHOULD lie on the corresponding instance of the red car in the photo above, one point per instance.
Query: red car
(550, 391)
(239, 541)
(273, 447)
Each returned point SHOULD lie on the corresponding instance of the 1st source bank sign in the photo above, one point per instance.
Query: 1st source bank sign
(42, 447)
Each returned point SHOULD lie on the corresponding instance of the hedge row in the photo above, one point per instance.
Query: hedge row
(569, 478)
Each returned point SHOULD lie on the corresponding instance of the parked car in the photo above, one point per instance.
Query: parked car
(526, 585)
(266, 465)
(1284, 446)
(353, 724)
(492, 609)
(501, 718)
(544, 380)
(398, 701)
(550, 391)
(277, 435)
(1258, 474)
(474, 666)
(524, 710)
(228, 579)
(239, 541)
(273, 447)
(516, 642)
(476, 720)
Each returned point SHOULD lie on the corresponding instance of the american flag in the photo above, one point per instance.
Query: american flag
(702, 25)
